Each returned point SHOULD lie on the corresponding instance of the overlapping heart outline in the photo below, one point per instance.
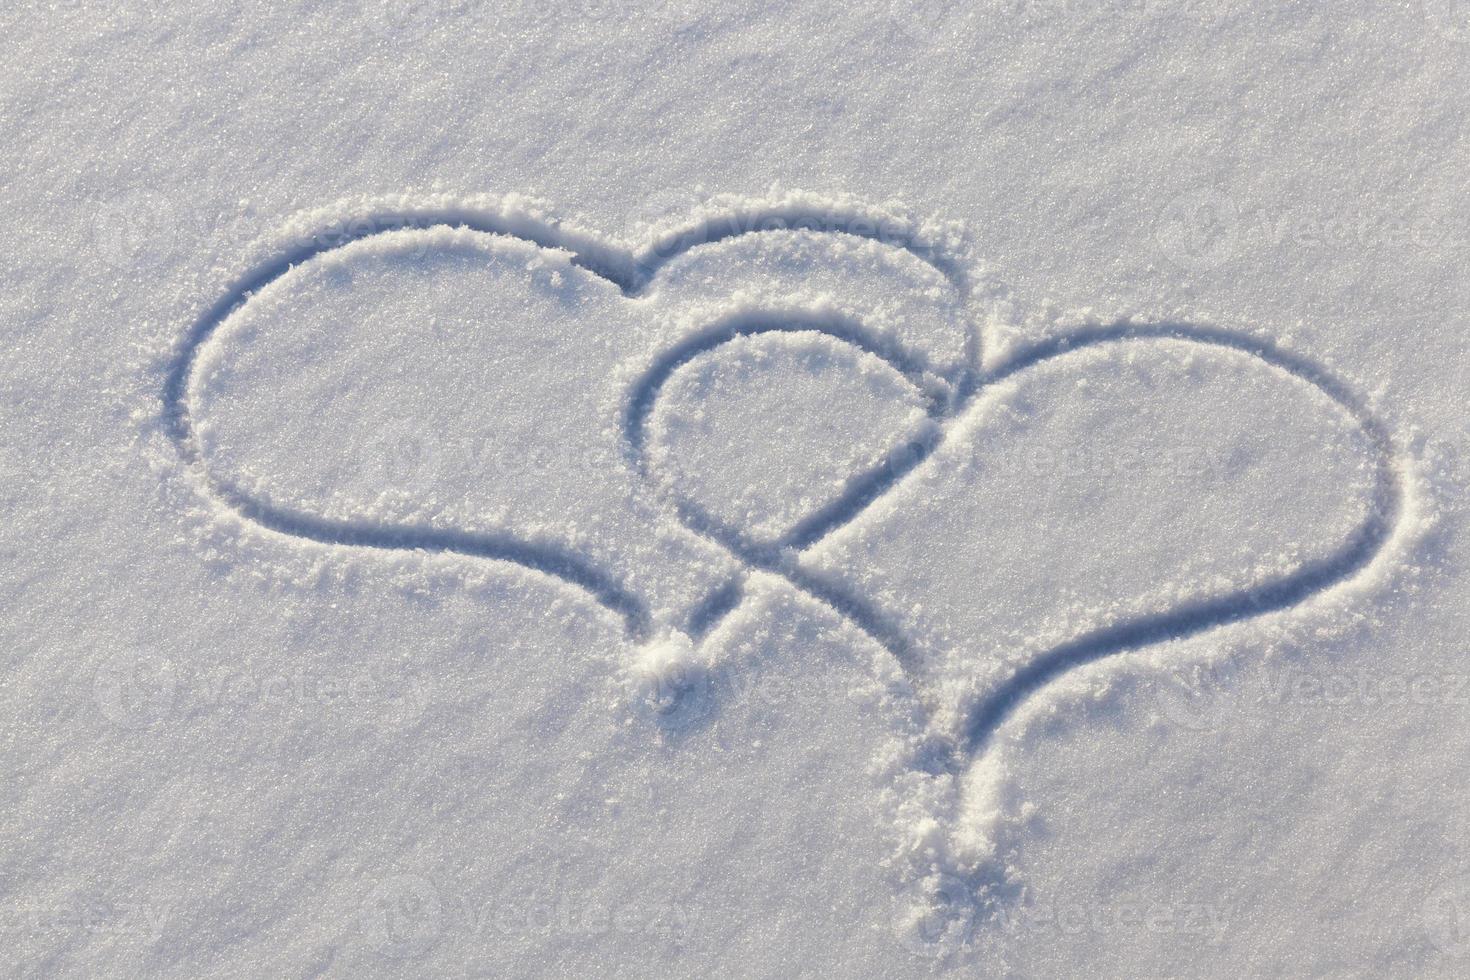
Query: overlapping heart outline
(633, 269)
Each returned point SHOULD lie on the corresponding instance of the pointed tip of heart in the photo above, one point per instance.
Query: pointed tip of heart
(671, 680)
(666, 649)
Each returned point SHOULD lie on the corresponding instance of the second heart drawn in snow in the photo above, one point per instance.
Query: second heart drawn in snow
(794, 389)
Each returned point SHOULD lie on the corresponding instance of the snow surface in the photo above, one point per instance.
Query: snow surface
(897, 489)
(770, 429)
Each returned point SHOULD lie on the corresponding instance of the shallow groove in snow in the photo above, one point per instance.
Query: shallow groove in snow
(947, 400)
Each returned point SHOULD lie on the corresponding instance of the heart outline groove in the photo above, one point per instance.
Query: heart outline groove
(947, 397)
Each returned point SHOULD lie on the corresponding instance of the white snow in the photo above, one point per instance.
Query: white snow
(766, 430)
(785, 489)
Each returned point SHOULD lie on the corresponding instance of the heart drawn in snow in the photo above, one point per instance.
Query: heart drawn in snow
(791, 388)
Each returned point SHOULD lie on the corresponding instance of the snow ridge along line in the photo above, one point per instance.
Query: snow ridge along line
(633, 271)
(630, 271)
(1355, 555)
